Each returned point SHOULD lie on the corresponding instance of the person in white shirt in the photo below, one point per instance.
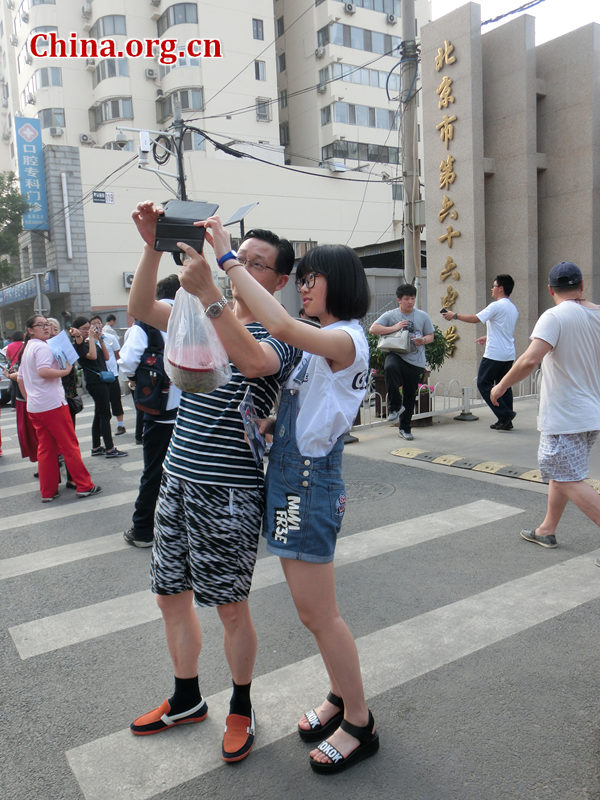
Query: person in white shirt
(566, 339)
(500, 318)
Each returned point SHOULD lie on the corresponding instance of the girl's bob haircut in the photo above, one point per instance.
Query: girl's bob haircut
(348, 295)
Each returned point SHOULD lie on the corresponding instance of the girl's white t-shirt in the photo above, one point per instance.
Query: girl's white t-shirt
(329, 401)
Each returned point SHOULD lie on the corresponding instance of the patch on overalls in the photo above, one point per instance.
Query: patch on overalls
(340, 505)
(286, 519)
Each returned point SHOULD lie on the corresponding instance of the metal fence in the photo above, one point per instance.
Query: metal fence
(438, 399)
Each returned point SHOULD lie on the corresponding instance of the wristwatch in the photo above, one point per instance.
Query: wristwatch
(215, 309)
(229, 256)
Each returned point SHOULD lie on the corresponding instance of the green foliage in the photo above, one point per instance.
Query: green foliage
(436, 352)
(12, 207)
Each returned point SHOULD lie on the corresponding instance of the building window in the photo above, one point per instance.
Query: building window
(386, 6)
(365, 116)
(280, 27)
(367, 77)
(301, 248)
(397, 193)
(257, 29)
(358, 39)
(283, 98)
(281, 61)
(52, 117)
(178, 14)
(41, 78)
(263, 109)
(110, 68)
(115, 108)
(185, 61)
(284, 134)
(190, 100)
(193, 141)
(111, 25)
(361, 151)
(260, 70)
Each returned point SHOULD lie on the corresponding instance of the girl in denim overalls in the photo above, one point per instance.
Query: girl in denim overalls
(305, 492)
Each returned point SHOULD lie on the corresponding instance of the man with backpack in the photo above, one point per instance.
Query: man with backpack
(141, 359)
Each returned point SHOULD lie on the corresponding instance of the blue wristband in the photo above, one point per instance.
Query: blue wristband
(231, 255)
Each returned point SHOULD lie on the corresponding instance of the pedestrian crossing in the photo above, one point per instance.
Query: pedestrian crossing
(101, 619)
(120, 766)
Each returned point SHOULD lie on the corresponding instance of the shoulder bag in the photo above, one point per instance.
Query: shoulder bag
(398, 342)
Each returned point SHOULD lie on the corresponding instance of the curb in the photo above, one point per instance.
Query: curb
(491, 467)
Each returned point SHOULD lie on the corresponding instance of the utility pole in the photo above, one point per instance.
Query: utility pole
(178, 140)
(410, 172)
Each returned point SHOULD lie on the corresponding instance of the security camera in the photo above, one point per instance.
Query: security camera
(121, 140)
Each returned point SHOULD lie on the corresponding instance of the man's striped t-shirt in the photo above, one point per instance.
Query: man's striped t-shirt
(208, 444)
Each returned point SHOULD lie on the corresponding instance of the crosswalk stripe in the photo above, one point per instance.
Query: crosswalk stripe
(52, 511)
(65, 554)
(122, 765)
(78, 625)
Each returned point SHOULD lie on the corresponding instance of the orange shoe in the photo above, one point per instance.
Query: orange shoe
(238, 737)
(159, 719)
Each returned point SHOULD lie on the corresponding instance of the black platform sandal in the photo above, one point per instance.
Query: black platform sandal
(318, 730)
(369, 744)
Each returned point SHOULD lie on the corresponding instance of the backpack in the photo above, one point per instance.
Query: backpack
(152, 383)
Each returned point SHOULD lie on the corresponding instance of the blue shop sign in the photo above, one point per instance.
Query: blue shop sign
(26, 290)
(32, 179)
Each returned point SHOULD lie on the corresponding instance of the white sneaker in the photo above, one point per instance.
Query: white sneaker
(406, 435)
(393, 416)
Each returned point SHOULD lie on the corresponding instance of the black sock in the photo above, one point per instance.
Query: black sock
(186, 695)
(240, 699)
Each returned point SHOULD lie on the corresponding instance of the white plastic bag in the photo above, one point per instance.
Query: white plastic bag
(195, 359)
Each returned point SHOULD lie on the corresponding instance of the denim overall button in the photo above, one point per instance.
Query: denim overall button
(306, 473)
(307, 463)
(304, 483)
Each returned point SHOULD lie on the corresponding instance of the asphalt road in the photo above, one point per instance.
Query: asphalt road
(479, 650)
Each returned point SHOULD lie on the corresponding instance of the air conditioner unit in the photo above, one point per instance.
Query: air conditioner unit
(85, 138)
(128, 279)
(28, 58)
(159, 93)
(10, 4)
(31, 99)
(319, 52)
(349, 8)
(151, 74)
(86, 10)
(5, 102)
(391, 19)
(155, 3)
(90, 64)
(24, 16)
(56, 131)
(321, 88)
(14, 40)
(6, 135)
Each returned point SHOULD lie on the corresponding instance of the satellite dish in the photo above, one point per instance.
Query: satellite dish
(45, 309)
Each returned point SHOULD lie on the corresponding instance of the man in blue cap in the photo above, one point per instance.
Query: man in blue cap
(566, 338)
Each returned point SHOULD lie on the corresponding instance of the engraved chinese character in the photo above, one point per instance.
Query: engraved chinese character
(449, 236)
(444, 55)
(451, 336)
(447, 174)
(447, 209)
(450, 270)
(449, 298)
(445, 92)
(446, 129)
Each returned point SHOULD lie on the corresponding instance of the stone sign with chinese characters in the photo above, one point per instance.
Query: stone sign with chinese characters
(454, 190)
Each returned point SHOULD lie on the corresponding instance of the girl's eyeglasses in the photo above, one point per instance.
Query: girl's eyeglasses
(307, 280)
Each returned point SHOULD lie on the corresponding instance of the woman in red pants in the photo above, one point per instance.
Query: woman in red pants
(40, 383)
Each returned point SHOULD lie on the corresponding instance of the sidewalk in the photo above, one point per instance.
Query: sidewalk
(515, 452)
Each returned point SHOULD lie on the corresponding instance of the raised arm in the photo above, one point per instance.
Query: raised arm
(142, 303)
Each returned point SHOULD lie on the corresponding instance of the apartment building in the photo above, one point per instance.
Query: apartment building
(339, 81)
(91, 107)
